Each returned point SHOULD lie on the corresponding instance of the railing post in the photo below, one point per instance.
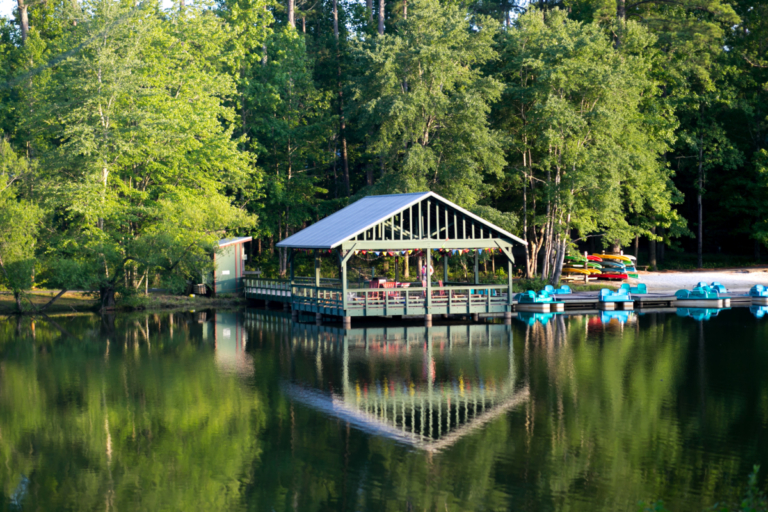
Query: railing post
(428, 302)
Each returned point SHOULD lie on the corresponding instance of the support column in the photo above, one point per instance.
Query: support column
(445, 268)
(291, 256)
(317, 270)
(347, 322)
(428, 320)
(429, 284)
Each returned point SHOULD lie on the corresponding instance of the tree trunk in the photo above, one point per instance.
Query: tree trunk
(369, 7)
(342, 122)
(559, 258)
(661, 248)
(758, 256)
(107, 294)
(292, 13)
(637, 245)
(17, 298)
(525, 225)
(700, 207)
(381, 17)
(406, 270)
(24, 20)
(405, 9)
(652, 249)
(621, 10)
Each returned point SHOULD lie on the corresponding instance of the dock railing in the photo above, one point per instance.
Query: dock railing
(454, 298)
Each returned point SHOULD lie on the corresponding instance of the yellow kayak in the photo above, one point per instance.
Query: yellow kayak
(569, 270)
(613, 257)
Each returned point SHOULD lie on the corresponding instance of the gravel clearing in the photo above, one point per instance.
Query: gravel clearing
(733, 280)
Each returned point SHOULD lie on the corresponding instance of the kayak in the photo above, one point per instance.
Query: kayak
(578, 259)
(592, 264)
(613, 276)
(617, 257)
(571, 270)
(592, 257)
(613, 265)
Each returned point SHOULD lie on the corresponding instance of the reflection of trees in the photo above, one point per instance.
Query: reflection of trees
(146, 421)
(620, 414)
(616, 413)
(613, 418)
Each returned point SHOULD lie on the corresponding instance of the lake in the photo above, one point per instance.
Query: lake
(246, 410)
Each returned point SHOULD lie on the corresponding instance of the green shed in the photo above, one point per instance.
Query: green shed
(229, 265)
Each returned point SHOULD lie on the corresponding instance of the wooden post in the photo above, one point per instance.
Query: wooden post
(429, 283)
(317, 270)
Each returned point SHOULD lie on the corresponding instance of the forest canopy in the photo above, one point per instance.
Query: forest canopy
(135, 135)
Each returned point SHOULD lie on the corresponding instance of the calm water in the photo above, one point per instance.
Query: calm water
(247, 411)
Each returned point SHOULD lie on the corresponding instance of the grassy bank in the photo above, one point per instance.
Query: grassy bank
(160, 301)
(70, 302)
(78, 302)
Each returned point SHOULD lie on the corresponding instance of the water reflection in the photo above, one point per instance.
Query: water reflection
(248, 410)
(700, 314)
(426, 387)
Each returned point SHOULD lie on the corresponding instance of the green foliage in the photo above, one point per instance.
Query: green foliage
(588, 131)
(19, 223)
(427, 100)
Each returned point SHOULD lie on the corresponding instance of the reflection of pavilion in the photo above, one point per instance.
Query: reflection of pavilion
(423, 386)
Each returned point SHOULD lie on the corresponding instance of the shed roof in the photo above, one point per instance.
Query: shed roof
(231, 241)
(363, 214)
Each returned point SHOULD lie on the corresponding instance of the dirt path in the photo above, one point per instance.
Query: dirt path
(735, 280)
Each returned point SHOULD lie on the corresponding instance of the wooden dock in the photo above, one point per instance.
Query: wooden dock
(466, 301)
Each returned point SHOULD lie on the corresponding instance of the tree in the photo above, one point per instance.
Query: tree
(426, 99)
(133, 121)
(19, 223)
(588, 133)
(290, 126)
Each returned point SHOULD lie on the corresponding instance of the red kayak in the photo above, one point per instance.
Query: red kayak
(594, 258)
(612, 276)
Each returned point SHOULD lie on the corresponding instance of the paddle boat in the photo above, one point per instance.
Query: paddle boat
(758, 311)
(759, 294)
(702, 296)
(640, 289)
(609, 299)
(564, 289)
(542, 302)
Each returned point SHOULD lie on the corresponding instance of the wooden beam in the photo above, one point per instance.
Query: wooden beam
(396, 245)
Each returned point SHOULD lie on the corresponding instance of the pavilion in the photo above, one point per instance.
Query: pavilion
(394, 225)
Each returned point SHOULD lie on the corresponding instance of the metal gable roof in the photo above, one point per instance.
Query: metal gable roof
(364, 214)
(229, 241)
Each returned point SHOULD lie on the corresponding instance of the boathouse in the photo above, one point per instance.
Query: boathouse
(229, 265)
(424, 224)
